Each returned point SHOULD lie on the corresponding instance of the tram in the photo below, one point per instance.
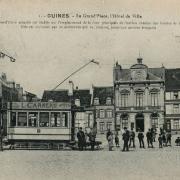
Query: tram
(39, 124)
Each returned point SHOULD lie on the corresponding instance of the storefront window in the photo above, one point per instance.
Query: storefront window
(32, 119)
(44, 119)
(124, 120)
(176, 124)
(22, 119)
(55, 119)
(154, 120)
(13, 119)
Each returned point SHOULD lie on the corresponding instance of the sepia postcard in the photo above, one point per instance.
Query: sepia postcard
(89, 90)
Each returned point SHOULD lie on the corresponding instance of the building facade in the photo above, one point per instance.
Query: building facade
(103, 103)
(139, 96)
(172, 100)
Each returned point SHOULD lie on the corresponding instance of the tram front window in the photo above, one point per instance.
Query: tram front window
(22, 119)
(32, 119)
(44, 119)
(13, 119)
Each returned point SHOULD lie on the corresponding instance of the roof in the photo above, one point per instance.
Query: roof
(57, 96)
(152, 74)
(172, 79)
(63, 96)
(84, 96)
(103, 93)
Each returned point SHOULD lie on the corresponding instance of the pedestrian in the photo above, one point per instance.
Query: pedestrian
(81, 139)
(125, 138)
(149, 137)
(141, 139)
(132, 138)
(168, 138)
(164, 138)
(92, 138)
(110, 141)
(117, 140)
(160, 141)
(153, 134)
(108, 133)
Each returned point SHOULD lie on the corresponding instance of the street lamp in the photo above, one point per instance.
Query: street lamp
(2, 56)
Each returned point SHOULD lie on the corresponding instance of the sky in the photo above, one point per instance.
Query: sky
(45, 57)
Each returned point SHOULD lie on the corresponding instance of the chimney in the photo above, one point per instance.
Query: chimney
(71, 88)
(139, 60)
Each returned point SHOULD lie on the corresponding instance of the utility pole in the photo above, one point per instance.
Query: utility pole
(73, 113)
(2, 56)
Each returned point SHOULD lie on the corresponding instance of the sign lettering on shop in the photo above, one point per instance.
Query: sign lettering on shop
(40, 105)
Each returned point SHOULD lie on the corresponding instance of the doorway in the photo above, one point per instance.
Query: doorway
(140, 122)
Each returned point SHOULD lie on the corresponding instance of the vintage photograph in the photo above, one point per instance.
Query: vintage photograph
(89, 90)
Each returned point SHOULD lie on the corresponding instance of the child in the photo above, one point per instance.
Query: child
(160, 139)
(117, 140)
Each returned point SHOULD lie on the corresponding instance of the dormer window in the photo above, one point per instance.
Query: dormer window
(77, 102)
(108, 101)
(175, 94)
(96, 101)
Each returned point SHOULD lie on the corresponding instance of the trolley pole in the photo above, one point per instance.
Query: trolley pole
(2, 56)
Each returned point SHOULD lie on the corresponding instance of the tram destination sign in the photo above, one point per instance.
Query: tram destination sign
(39, 105)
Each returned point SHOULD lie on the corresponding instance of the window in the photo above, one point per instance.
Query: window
(101, 126)
(102, 114)
(154, 122)
(97, 113)
(22, 119)
(55, 119)
(96, 101)
(175, 108)
(124, 100)
(175, 95)
(77, 102)
(109, 113)
(154, 99)
(124, 120)
(44, 119)
(139, 99)
(32, 119)
(64, 119)
(109, 125)
(13, 119)
(108, 101)
(176, 124)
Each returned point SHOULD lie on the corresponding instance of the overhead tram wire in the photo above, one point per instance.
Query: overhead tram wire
(91, 61)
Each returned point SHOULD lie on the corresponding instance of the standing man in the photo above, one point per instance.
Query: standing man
(132, 138)
(141, 139)
(81, 139)
(149, 137)
(108, 133)
(125, 138)
(92, 138)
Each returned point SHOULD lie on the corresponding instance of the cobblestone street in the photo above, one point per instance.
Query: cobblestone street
(138, 164)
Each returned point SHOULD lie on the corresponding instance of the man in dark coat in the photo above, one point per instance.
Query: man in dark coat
(125, 138)
(92, 138)
(108, 133)
(149, 137)
(141, 139)
(132, 138)
(81, 139)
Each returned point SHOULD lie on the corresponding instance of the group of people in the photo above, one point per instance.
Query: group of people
(82, 139)
(128, 138)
